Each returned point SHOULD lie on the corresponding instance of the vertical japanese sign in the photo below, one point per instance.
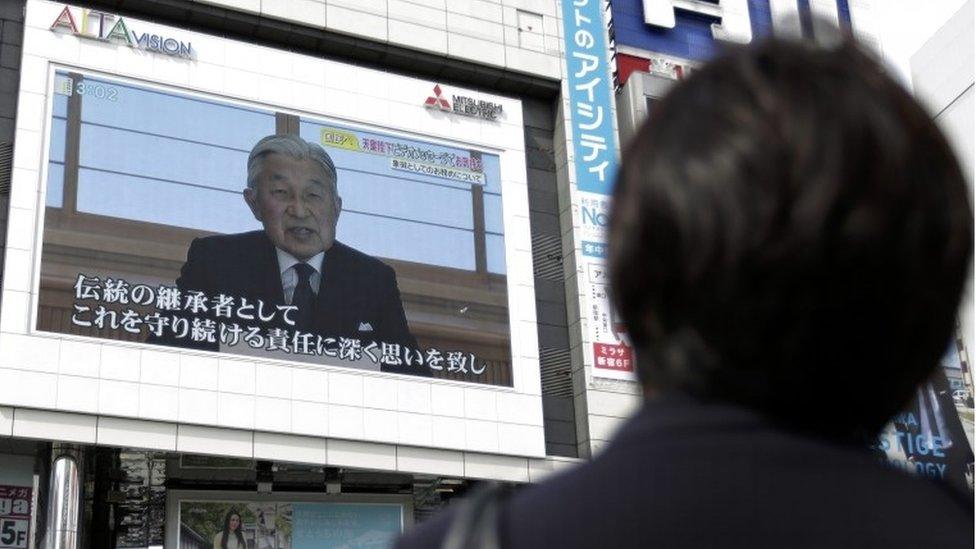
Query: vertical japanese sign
(588, 77)
(595, 157)
(15, 516)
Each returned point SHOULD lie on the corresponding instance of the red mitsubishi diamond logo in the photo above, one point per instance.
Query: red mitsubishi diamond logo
(437, 100)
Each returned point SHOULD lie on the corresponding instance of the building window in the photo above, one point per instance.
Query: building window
(531, 35)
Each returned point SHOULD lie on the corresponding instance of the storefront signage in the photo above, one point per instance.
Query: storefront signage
(733, 15)
(15, 516)
(107, 27)
(694, 29)
(595, 155)
(463, 105)
(928, 437)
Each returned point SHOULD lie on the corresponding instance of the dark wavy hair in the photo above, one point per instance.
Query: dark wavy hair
(237, 533)
(790, 232)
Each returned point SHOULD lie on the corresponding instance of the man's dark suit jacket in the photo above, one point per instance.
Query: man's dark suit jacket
(690, 475)
(357, 296)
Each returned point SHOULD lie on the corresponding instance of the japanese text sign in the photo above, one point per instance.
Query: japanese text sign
(588, 78)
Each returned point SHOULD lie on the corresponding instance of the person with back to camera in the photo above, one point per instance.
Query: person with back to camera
(230, 537)
(789, 240)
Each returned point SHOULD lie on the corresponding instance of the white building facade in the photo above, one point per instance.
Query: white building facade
(130, 142)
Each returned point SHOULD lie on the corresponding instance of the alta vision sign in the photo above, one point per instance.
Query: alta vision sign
(107, 27)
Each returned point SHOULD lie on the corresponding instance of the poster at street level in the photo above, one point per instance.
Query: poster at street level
(286, 525)
(15, 516)
(192, 221)
(933, 436)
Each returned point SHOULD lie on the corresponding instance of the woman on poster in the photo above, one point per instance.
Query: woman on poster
(230, 537)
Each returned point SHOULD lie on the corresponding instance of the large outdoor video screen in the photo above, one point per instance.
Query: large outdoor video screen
(191, 221)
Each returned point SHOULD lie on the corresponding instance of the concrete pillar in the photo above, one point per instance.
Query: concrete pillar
(63, 529)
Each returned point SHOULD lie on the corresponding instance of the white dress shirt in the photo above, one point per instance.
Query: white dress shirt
(289, 277)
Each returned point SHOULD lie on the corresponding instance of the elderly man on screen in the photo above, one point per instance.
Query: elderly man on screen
(295, 260)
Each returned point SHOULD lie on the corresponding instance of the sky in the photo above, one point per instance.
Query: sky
(903, 26)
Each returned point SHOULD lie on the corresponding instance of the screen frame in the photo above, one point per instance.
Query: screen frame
(175, 498)
(356, 125)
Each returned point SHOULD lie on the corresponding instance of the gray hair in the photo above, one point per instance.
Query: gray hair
(293, 146)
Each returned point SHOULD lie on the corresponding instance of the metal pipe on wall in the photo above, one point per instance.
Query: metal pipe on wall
(63, 528)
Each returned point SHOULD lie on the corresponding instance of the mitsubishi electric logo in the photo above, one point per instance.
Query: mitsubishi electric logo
(463, 105)
(437, 100)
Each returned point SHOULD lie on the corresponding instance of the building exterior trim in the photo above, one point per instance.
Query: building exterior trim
(32, 423)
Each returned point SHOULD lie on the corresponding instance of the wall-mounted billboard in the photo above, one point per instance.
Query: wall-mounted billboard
(287, 525)
(933, 436)
(186, 220)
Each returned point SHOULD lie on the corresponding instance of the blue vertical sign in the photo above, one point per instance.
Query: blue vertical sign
(588, 78)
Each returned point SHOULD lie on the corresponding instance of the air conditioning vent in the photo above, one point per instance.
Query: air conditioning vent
(6, 165)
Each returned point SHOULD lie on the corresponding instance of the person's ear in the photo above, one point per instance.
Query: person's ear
(251, 197)
(338, 207)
